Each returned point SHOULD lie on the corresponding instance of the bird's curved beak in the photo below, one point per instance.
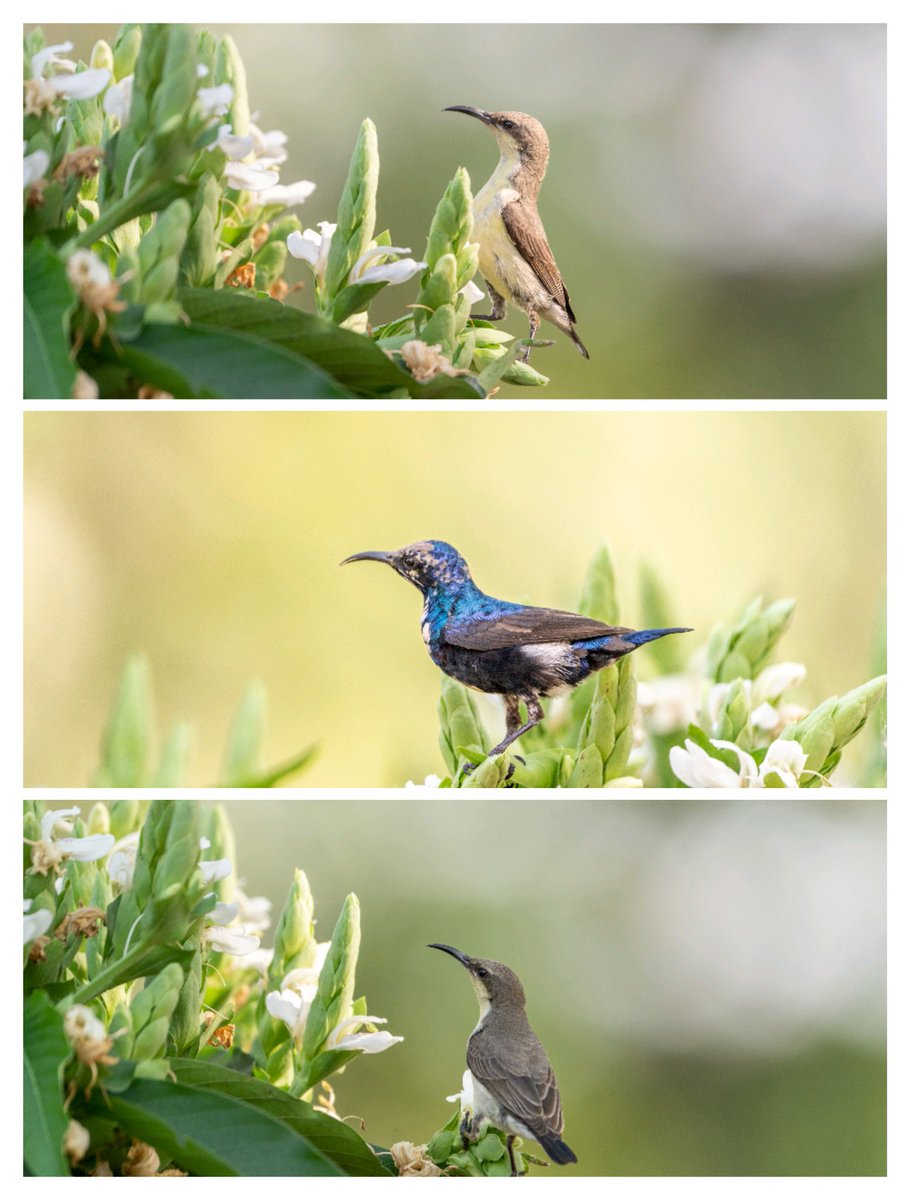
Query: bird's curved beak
(472, 112)
(378, 555)
(462, 958)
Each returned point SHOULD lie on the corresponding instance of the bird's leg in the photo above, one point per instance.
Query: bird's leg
(498, 302)
(466, 1129)
(534, 325)
(514, 729)
(509, 1140)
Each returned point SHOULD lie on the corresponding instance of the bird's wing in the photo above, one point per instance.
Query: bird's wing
(525, 228)
(524, 1083)
(524, 626)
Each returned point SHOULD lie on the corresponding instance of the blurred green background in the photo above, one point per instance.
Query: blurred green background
(708, 978)
(212, 542)
(716, 196)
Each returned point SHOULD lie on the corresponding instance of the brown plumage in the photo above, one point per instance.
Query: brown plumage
(515, 256)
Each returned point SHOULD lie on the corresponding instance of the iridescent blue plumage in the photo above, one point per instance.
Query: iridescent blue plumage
(514, 650)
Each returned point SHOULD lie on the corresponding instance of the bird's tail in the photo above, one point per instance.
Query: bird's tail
(578, 342)
(557, 1150)
(650, 635)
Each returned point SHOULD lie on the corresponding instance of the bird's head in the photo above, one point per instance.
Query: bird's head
(518, 134)
(494, 982)
(425, 564)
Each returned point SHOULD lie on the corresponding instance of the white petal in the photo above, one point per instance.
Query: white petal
(84, 85)
(696, 768)
(87, 849)
(472, 291)
(306, 245)
(290, 1008)
(233, 146)
(46, 55)
(777, 679)
(785, 758)
(34, 167)
(201, 70)
(50, 819)
(289, 195)
(368, 1043)
(765, 717)
(374, 252)
(118, 98)
(231, 941)
(223, 914)
(34, 924)
(747, 766)
(217, 869)
(394, 272)
(247, 177)
(204, 844)
(215, 101)
(80, 1022)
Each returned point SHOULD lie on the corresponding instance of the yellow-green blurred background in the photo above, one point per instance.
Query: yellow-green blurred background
(716, 196)
(708, 978)
(212, 540)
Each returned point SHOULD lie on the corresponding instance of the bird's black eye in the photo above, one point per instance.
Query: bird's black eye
(508, 124)
(482, 972)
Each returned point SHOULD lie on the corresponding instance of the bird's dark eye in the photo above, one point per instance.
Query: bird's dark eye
(482, 972)
(508, 124)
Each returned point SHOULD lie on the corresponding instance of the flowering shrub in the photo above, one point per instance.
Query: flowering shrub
(162, 1038)
(725, 721)
(157, 230)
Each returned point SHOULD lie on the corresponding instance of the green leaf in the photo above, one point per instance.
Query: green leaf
(46, 1051)
(354, 360)
(355, 298)
(247, 728)
(202, 363)
(48, 370)
(207, 1133)
(332, 1138)
(269, 776)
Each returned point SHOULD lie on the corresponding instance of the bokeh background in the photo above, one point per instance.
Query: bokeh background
(716, 196)
(708, 978)
(211, 542)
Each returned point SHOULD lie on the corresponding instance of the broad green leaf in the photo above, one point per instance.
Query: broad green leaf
(46, 1050)
(206, 363)
(269, 776)
(208, 1133)
(48, 370)
(334, 1139)
(352, 359)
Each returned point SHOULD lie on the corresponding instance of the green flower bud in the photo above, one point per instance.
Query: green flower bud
(295, 937)
(491, 773)
(459, 723)
(229, 68)
(129, 734)
(178, 83)
(825, 731)
(126, 50)
(335, 991)
(356, 213)
(741, 651)
(733, 723)
(99, 819)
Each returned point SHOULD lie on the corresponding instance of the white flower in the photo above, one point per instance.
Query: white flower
(367, 1043)
(472, 291)
(431, 781)
(218, 868)
(34, 923)
(391, 272)
(215, 101)
(290, 1007)
(304, 980)
(313, 247)
(222, 914)
(50, 851)
(775, 680)
(254, 911)
(269, 146)
(259, 960)
(669, 703)
(122, 862)
(237, 941)
(290, 195)
(34, 167)
(118, 98)
(465, 1097)
(49, 56)
(697, 769)
(231, 144)
(248, 177)
(81, 1024)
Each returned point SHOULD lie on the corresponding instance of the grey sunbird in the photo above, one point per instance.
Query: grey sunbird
(515, 258)
(512, 1083)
